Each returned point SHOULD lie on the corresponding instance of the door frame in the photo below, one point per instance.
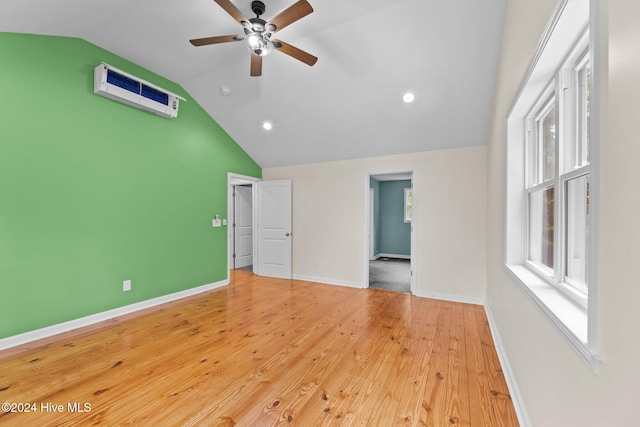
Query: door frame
(372, 228)
(367, 222)
(234, 179)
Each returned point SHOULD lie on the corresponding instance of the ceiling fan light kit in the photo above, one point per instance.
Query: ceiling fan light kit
(259, 43)
(258, 32)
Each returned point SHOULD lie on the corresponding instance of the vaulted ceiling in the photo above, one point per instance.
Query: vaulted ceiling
(348, 105)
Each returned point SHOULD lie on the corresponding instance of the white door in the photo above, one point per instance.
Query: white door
(274, 229)
(243, 227)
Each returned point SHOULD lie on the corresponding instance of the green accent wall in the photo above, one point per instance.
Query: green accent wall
(94, 192)
(394, 233)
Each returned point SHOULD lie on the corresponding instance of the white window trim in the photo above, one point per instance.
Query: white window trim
(576, 323)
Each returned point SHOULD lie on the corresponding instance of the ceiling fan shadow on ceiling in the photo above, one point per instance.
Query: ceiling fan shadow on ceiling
(258, 33)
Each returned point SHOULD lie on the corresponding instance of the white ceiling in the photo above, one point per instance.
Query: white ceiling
(346, 106)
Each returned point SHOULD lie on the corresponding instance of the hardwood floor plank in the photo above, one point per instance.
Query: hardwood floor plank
(341, 389)
(384, 392)
(481, 413)
(256, 385)
(412, 402)
(457, 404)
(403, 368)
(435, 392)
(303, 360)
(267, 352)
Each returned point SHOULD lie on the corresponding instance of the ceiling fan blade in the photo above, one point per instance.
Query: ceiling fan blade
(232, 10)
(296, 11)
(214, 40)
(256, 65)
(294, 52)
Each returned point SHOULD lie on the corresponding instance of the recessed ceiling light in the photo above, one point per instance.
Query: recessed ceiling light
(267, 125)
(408, 97)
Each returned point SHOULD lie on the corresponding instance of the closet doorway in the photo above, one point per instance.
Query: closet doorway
(241, 242)
(242, 227)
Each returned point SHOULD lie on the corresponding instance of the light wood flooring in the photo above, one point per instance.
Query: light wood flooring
(264, 352)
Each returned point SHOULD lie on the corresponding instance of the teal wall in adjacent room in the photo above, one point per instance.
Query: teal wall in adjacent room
(391, 234)
(94, 192)
(395, 234)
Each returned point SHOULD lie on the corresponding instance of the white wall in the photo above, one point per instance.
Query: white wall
(450, 218)
(556, 387)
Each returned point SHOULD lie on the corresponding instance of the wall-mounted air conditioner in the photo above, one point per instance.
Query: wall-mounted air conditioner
(123, 87)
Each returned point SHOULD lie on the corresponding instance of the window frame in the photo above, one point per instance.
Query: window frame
(408, 205)
(534, 170)
(573, 316)
(563, 94)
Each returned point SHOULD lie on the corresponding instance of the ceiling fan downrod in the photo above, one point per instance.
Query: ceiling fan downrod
(258, 8)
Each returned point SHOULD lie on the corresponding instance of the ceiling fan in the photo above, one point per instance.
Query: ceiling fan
(258, 32)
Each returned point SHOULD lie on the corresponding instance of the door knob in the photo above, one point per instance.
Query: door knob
(288, 234)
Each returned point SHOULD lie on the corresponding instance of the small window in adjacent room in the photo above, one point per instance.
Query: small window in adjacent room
(550, 226)
(408, 204)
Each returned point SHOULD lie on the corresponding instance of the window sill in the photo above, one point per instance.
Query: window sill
(569, 319)
(569, 292)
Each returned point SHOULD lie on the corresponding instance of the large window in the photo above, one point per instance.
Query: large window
(557, 182)
(551, 226)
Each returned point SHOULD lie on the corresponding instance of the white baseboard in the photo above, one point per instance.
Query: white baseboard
(59, 328)
(450, 297)
(328, 281)
(514, 391)
(392, 256)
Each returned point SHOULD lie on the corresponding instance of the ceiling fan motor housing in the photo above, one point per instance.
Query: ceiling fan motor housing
(258, 7)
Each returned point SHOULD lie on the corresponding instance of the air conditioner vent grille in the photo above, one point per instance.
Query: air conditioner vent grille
(155, 95)
(123, 82)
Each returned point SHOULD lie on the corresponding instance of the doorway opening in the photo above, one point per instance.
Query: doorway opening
(242, 243)
(390, 224)
(242, 227)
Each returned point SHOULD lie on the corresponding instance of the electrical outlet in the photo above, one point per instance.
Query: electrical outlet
(126, 285)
